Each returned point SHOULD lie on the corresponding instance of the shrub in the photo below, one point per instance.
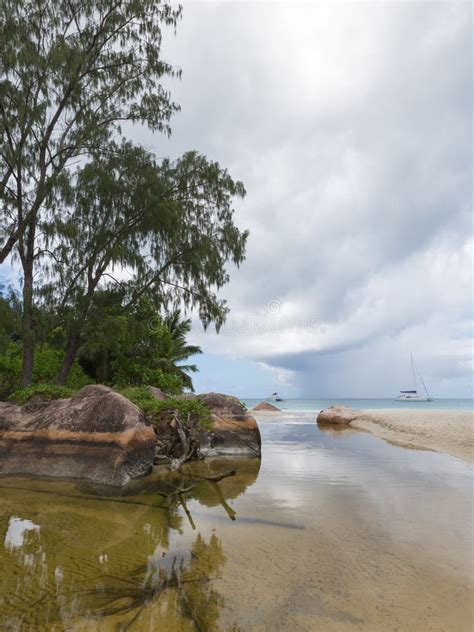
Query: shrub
(48, 392)
(47, 364)
(159, 412)
(10, 369)
(136, 374)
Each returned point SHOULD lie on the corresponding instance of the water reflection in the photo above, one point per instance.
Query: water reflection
(337, 431)
(82, 559)
(18, 532)
(164, 589)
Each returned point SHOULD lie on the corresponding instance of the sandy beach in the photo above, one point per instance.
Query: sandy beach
(449, 431)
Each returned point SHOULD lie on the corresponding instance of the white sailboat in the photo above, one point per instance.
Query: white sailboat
(413, 395)
(274, 397)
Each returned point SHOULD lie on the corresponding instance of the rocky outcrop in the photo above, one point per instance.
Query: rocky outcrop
(223, 405)
(234, 431)
(265, 406)
(97, 435)
(341, 415)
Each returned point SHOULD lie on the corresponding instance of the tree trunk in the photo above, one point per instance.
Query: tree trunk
(28, 335)
(28, 338)
(73, 341)
(72, 348)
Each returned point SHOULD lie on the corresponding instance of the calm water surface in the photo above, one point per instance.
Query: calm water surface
(331, 531)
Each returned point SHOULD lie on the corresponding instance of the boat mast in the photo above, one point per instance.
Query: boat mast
(424, 385)
(413, 370)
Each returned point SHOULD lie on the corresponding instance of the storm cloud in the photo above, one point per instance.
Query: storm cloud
(350, 125)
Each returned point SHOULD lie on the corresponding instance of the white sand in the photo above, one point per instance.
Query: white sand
(450, 431)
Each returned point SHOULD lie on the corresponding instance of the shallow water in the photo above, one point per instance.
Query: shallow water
(331, 531)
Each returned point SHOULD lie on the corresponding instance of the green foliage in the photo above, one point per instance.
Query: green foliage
(70, 74)
(136, 347)
(78, 202)
(170, 224)
(10, 368)
(47, 363)
(159, 412)
(48, 392)
(46, 367)
(136, 375)
(10, 320)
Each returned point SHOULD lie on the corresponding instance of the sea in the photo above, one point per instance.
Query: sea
(315, 405)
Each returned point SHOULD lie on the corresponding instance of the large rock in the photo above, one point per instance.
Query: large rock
(97, 435)
(265, 406)
(157, 393)
(223, 405)
(234, 431)
(341, 415)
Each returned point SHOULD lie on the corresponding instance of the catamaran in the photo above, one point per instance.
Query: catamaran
(413, 395)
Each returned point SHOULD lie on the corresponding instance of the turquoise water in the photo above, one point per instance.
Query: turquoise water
(362, 404)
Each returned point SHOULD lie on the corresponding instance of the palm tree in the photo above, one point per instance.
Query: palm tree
(172, 348)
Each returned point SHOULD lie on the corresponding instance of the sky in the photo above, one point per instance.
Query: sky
(350, 125)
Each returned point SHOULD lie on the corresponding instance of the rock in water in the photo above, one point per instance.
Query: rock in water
(265, 406)
(97, 435)
(234, 431)
(337, 414)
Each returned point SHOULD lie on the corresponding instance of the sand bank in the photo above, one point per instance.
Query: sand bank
(450, 431)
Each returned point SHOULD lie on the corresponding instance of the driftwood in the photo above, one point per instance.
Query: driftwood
(189, 448)
(184, 490)
(214, 479)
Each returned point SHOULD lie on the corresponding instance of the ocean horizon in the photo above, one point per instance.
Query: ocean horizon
(317, 404)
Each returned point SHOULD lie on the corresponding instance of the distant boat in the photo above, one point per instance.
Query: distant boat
(413, 395)
(274, 397)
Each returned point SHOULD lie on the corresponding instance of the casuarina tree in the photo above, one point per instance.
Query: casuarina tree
(71, 73)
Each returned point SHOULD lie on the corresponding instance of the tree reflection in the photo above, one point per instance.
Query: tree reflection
(73, 558)
(173, 592)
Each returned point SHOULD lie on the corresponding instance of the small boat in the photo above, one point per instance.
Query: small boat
(413, 395)
(274, 397)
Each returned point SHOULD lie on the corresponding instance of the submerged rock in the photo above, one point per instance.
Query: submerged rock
(337, 414)
(96, 435)
(265, 406)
